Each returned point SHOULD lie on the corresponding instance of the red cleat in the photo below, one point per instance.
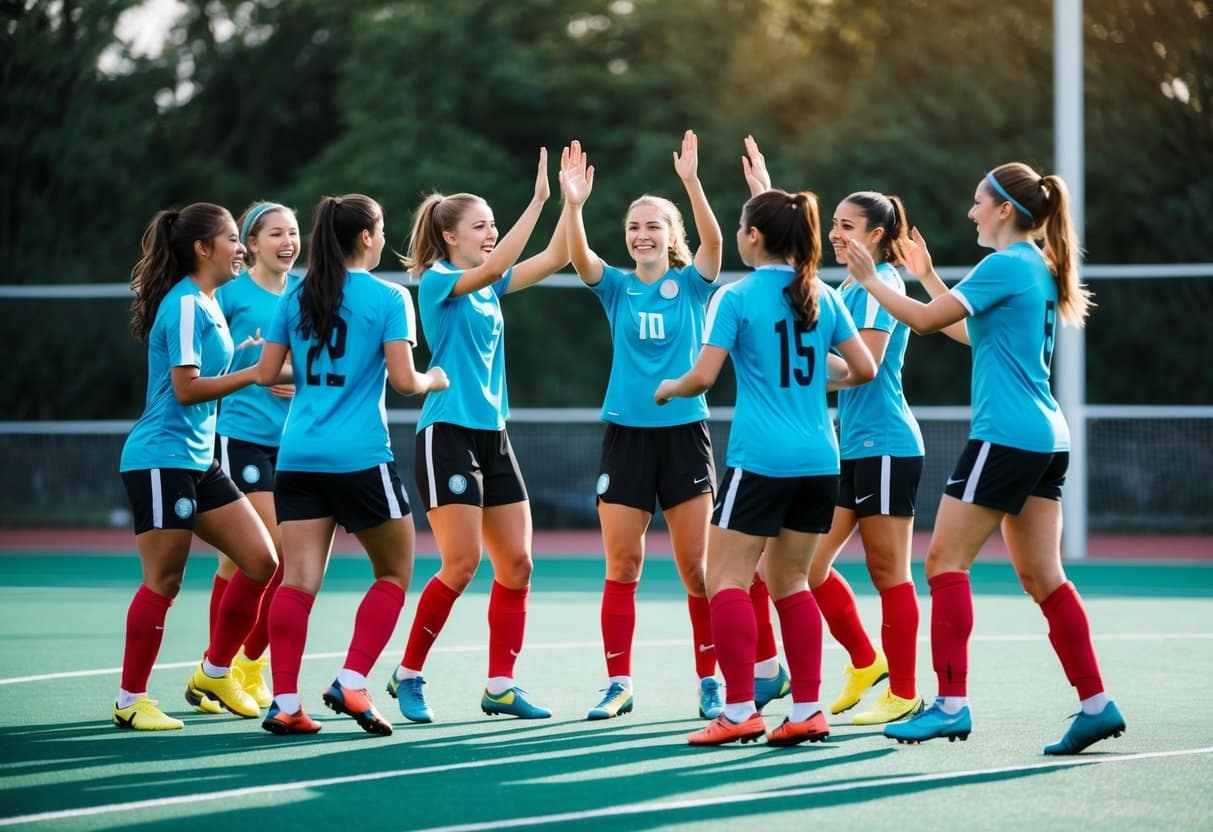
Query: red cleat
(281, 723)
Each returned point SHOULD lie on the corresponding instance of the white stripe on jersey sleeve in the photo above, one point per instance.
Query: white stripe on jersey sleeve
(959, 295)
(870, 310)
(410, 313)
(185, 332)
(713, 305)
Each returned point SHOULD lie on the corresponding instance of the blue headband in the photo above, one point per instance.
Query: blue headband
(251, 219)
(1002, 193)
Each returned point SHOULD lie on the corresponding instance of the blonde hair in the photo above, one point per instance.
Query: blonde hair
(436, 213)
(679, 251)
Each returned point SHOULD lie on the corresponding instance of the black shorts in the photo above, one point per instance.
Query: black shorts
(1003, 478)
(170, 498)
(466, 466)
(250, 466)
(647, 467)
(357, 500)
(753, 504)
(880, 485)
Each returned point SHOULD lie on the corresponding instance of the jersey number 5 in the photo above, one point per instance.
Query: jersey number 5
(336, 349)
(1050, 331)
(790, 340)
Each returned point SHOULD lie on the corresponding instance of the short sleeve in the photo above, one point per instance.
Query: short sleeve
(401, 324)
(607, 289)
(699, 286)
(844, 325)
(503, 285)
(723, 319)
(183, 326)
(279, 331)
(986, 285)
(437, 284)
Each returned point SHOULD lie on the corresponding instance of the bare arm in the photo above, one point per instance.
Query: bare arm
(860, 364)
(711, 241)
(577, 183)
(547, 262)
(272, 368)
(190, 387)
(404, 376)
(877, 341)
(695, 381)
(923, 318)
(917, 259)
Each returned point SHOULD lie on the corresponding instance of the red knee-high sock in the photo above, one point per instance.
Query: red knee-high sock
(701, 634)
(237, 613)
(899, 637)
(836, 600)
(373, 625)
(289, 613)
(1070, 633)
(618, 621)
(734, 632)
(800, 623)
(760, 598)
(144, 632)
(507, 624)
(217, 588)
(433, 607)
(259, 637)
(951, 626)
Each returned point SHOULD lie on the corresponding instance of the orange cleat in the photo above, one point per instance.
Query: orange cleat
(813, 729)
(722, 730)
(281, 723)
(358, 704)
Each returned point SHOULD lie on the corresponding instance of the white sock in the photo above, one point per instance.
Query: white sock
(1095, 704)
(288, 703)
(213, 670)
(739, 712)
(351, 679)
(126, 698)
(403, 673)
(497, 685)
(626, 681)
(767, 668)
(952, 704)
(803, 710)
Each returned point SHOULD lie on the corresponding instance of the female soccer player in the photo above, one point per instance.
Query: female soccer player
(778, 324)
(250, 420)
(346, 332)
(652, 455)
(175, 485)
(469, 480)
(1011, 472)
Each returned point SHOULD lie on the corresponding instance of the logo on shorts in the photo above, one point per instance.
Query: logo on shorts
(457, 484)
(604, 482)
(251, 474)
(184, 508)
(669, 289)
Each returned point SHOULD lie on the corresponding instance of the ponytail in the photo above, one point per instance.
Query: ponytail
(338, 222)
(435, 214)
(886, 212)
(791, 229)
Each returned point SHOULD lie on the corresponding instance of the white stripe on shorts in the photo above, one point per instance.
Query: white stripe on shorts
(393, 503)
(886, 482)
(429, 466)
(975, 473)
(730, 497)
(157, 500)
(225, 461)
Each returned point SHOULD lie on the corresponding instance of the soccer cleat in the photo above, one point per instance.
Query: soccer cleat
(408, 695)
(710, 705)
(888, 708)
(225, 690)
(143, 715)
(858, 680)
(281, 723)
(512, 703)
(776, 687)
(617, 702)
(200, 702)
(1089, 728)
(813, 729)
(358, 704)
(251, 675)
(931, 724)
(723, 730)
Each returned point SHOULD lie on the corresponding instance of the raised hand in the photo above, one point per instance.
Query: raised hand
(576, 177)
(686, 164)
(860, 263)
(542, 189)
(755, 166)
(914, 254)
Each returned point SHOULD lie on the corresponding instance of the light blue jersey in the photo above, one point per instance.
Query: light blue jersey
(252, 414)
(781, 424)
(337, 421)
(874, 418)
(466, 334)
(656, 331)
(189, 331)
(1011, 297)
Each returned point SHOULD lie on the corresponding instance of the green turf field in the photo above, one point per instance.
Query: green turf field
(63, 766)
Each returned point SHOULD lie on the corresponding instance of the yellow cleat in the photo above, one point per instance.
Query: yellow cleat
(859, 679)
(143, 715)
(888, 708)
(251, 675)
(225, 690)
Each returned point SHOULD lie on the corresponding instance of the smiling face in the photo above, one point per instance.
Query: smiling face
(647, 234)
(849, 221)
(275, 245)
(989, 215)
(222, 257)
(473, 238)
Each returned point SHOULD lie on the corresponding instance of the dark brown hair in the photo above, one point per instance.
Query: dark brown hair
(791, 229)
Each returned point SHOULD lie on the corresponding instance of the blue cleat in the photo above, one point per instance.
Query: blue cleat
(408, 695)
(776, 687)
(931, 724)
(1087, 729)
(710, 705)
(512, 703)
(617, 702)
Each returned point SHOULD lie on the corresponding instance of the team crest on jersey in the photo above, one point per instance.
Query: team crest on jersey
(457, 484)
(251, 474)
(669, 289)
(183, 508)
(604, 482)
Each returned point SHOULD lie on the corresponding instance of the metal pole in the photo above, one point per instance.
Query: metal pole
(1070, 355)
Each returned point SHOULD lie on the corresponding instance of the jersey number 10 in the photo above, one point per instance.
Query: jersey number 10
(652, 326)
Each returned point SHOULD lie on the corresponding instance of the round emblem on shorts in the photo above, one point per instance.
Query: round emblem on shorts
(604, 482)
(669, 289)
(251, 474)
(457, 484)
(183, 508)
